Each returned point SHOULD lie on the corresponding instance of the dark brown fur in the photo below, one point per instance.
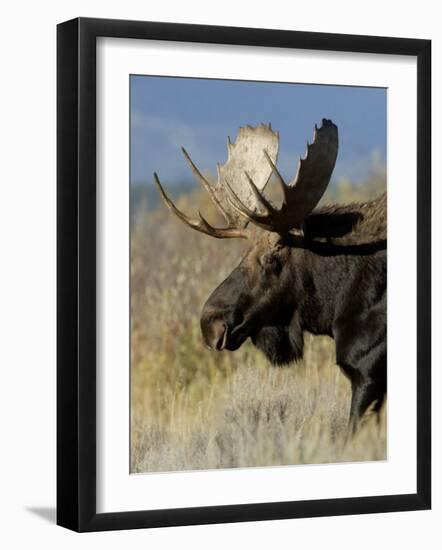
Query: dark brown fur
(331, 279)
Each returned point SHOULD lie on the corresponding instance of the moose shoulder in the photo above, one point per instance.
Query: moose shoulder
(321, 271)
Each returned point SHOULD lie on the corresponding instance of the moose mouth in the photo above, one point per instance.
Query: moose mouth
(273, 341)
(222, 336)
(235, 339)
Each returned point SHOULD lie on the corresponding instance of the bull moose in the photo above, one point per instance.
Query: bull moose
(322, 271)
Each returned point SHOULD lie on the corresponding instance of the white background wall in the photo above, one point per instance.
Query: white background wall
(27, 276)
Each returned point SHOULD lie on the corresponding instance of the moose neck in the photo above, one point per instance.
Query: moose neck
(318, 278)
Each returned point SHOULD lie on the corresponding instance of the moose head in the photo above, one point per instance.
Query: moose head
(257, 299)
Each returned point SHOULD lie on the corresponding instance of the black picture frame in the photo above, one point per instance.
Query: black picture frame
(77, 287)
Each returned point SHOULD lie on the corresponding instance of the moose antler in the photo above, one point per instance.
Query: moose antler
(238, 193)
(303, 193)
(201, 224)
(248, 155)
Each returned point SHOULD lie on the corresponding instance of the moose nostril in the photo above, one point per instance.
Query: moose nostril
(222, 339)
(216, 337)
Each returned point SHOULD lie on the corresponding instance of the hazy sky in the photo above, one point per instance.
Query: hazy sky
(199, 114)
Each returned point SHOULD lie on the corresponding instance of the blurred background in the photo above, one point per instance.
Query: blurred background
(196, 409)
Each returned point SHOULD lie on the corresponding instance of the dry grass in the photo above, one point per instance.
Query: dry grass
(196, 409)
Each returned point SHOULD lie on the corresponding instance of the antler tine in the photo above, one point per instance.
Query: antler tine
(259, 196)
(279, 178)
(172, 207)
(201, 225)
(202, 180)
(241, 208)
